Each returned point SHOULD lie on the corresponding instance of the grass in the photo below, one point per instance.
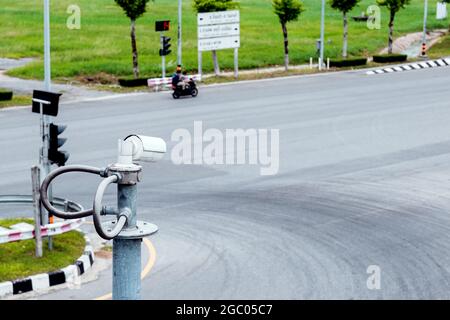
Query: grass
(16, 101)
(440, 49)
(17, 259)
(102, 45)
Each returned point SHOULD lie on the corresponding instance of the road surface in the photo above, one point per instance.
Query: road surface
(364, 180)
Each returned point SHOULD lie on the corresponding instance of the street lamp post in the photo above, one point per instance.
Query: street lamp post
(322, 34)
(179, 32)
(45, 165)
(47, 72)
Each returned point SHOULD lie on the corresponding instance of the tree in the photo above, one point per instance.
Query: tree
(393, 6)
(213, 6)
(287, 11)
(133, 9)
(344, 6)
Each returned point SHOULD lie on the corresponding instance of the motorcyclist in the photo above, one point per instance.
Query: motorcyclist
(177, 77)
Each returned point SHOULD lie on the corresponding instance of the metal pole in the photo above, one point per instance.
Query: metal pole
(43, 161)
(322, 33)
(424, 37)
(47, 86)
(47, 68)
(35, 182)
(200, 64)
(180, 18)
(127, 252)
(163, 57)
(236, 63)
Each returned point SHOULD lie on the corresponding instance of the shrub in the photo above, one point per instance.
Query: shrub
(133, 82)
(5, 95)
(383, 58)
(339, 63)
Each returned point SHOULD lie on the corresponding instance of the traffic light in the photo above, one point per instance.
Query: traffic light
(56, 156)
(165, 47)
(162, 25)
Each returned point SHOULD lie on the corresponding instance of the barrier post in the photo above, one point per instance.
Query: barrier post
(35, 182)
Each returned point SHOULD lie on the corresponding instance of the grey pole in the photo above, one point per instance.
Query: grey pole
(35, 181)
(180, 18)
(163, 57)
(47, 68)
(322, 34)
(127, 252)
(47, 86)
(424, 37)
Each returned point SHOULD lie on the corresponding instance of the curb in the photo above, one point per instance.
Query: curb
(43, 281)
(412, 66)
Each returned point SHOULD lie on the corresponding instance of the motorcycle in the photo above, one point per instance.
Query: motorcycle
(189, 90)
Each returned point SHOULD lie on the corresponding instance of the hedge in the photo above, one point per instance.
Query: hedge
(5, 95)
(339, 63)
(133, 82)
(390, 58)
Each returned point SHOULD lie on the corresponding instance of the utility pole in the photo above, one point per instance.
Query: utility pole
(47, 72)
(180, 18)
(424, 37)
(322, 35)
(47, 85)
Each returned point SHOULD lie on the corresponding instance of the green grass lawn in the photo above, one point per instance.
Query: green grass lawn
(16, 101)
(440, 49)
(17, 259)
(103, 44)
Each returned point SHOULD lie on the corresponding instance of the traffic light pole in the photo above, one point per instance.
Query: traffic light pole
(163, 57)
(43, 158)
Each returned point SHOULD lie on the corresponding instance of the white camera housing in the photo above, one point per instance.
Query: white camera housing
(147, 149)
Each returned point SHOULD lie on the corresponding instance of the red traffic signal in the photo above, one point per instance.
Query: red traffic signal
(162, 25)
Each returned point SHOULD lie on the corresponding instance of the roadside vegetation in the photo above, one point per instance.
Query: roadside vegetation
(18, 260)
(16, 101)
(440, 49)
(102, 45)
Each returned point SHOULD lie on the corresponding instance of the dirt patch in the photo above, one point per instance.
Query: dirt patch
(99, 78)
(103, 254)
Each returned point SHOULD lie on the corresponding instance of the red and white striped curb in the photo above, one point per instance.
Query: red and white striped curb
(155, 82)
(25, 231)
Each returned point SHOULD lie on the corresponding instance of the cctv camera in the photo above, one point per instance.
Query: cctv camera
(148, 149)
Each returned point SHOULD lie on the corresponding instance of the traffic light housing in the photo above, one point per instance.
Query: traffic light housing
(56, 156)
(165, 46)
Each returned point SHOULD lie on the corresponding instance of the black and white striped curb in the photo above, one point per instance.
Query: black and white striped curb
(46, 280)
(413, 66)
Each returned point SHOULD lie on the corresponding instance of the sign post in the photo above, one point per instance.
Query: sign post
(218, 31)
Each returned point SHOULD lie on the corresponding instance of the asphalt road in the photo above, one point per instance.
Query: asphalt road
(363, 180)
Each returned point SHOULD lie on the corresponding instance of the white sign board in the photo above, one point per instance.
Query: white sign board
(218, 43)
(221, 30)
(441, 11)
(221, 17)
(217, 31)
